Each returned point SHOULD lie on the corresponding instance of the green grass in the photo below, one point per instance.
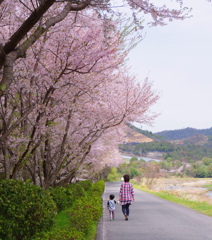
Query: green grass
(202, 207)
(62, 220)
(208, 186)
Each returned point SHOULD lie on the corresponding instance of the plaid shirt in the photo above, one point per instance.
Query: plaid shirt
(126, 193)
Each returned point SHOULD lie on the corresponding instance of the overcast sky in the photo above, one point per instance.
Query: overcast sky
(178, 59)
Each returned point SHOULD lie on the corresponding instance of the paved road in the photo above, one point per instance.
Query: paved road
(152, 218)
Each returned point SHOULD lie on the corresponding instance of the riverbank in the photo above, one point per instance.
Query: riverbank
(147, 159)
(201, 207)
(188, 192)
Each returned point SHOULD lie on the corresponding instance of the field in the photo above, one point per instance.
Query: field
(190, 192)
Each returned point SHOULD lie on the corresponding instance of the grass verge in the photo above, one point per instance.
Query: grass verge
(202, 207)
(209, 186)
(62, 220)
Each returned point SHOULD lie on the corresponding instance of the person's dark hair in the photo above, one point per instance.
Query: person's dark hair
(112, 196)
(126, 178)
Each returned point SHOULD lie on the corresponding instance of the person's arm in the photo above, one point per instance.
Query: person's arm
(132, 193)
(120, 192)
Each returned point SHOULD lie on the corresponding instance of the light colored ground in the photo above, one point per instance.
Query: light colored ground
(187, 188)
(183, 182)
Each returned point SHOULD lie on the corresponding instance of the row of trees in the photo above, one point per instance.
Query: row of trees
(186, 153)
(65, 94)
(153, 170)
(140, 169)
(201, 169)
(190, 153)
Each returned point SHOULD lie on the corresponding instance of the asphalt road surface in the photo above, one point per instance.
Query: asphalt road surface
(152, 218)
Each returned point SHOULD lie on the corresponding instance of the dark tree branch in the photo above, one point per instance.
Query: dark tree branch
(15, 53)
(25, 28)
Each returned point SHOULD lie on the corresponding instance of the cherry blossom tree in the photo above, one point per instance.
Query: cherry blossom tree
(65, 95)
(32, 19)
(68, 98)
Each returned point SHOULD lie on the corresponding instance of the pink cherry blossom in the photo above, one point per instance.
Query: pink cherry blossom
(66, 93)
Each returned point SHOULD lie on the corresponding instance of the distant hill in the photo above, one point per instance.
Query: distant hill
(146, 133)
(134, 136)
(184, 133)
(186, 149)
(197, 139)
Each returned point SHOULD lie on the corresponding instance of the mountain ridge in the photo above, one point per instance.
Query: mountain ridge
(180, 136)
(184, 133)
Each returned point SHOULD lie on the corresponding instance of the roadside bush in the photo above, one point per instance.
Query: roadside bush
(97, 188)
(25, 210)
(76, 190)
(62, 197)
(84, 213)
(86, 184)
(61, 234)
(113, 175)
(76, 222)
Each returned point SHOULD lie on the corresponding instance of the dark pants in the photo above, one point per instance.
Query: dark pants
(126, 209)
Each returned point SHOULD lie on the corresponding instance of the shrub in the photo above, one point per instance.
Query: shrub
(84, 213)
(76, 190)
(76, 222)
(62, 197)
(113, 175)
(25, 210)
(85, 184)
(61, 234)
(97, 188)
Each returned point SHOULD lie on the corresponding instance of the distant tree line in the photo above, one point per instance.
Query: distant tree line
(184, 133)
(151, 170)
(201, 169)
(186, 153)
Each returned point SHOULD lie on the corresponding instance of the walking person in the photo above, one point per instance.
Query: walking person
(111, 207)
(126, 196)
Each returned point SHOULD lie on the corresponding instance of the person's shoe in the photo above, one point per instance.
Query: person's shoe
(126, 218)
(111, 219)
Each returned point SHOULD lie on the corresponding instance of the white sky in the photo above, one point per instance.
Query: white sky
(178, 59)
